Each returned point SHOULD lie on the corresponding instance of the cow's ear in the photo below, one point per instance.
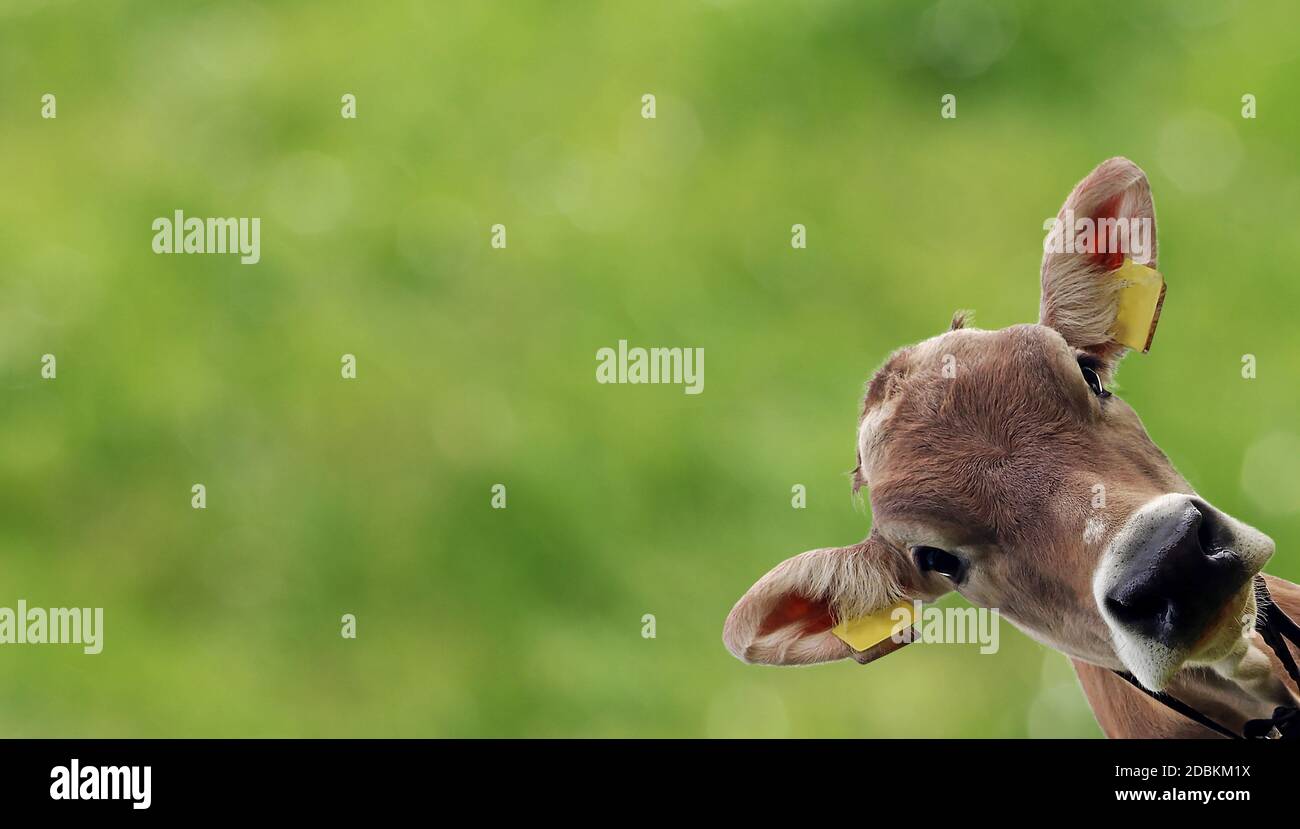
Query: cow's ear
(787, 617)
(1107, 223)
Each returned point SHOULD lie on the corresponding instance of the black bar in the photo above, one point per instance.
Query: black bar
(331, 778)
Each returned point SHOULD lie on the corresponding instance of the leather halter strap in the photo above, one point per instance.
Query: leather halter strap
(1275, 627)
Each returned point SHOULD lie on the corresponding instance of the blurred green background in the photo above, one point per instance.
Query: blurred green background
(476, 366)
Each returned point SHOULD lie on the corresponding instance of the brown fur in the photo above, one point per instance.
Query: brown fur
(1007, 451)
(993, 442)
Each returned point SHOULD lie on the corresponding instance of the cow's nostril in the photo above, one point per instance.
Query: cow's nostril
(1138, 610)
(1214, 538)
(1152, 615)
(1205, 532)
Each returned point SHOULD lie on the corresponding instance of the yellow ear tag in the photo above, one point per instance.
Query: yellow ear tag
(1141, 293)
(866, 631)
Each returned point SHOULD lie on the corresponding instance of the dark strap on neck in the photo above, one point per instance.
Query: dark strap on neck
(1275, 627)
(1181, 707)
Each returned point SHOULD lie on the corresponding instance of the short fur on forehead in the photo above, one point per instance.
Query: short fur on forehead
(964, 445)
(884, 382)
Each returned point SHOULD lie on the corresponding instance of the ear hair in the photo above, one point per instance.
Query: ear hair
(786, 617)
(853, 581)
(1078, 300)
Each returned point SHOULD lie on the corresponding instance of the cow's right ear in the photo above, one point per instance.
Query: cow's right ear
(787, 616)
(1107, 219)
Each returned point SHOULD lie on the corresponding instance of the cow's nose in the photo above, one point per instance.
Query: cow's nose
(1180, 578)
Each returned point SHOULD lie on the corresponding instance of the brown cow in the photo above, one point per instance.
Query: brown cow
(985, 453)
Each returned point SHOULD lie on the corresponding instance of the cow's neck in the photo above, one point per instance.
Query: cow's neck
(1232, 702)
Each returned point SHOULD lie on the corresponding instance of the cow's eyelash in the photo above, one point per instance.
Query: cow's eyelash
(1091, 368)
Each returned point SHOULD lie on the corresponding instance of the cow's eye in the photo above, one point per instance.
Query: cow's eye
(939, 561)
(1091, 377)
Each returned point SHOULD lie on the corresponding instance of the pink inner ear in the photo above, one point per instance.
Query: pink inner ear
(1113, 260)
(811, 615)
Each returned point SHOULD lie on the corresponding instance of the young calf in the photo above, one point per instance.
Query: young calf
(999, 466)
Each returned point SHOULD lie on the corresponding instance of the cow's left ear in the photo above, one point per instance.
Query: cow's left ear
(793, 614)
(1100, 289)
